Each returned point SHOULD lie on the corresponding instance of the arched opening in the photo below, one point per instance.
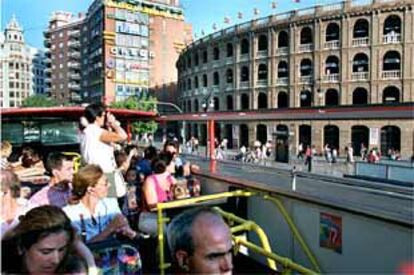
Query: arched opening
(361, 28)
(261, 133)
(262, 72)
(305, 99)
(360, 96)
(244, 104)
(392, 61)
(360, 63)
(306, 36)
(189, 84)
(189, 106)
(392, 25)
(331, 98)
(229, 135)
(332, 65)
(196, 59)
(196, 107)
(216, 53)
(390, 95)
(229, 50)
(282, 70)
(204, 80)
(244, 46)
(282, 100)
(306, 67)
(332, 32)
(196, 82)
(229, 76)
(262, 101)
(390, 139)
(282, 143)
(359, 138)
(189, 62)
(229, 102)
(216, 103)
(244, 74)
(305, 135)
(283, 40)
(262, 43)
(331, 136)
(195, 130)
(244, 135)
(205, 56)
(216, 78)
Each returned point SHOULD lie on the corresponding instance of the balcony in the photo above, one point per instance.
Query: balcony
(47, 43)
(74, 86)
(229, 86)
(74, 54)
(391, 74)
(229, 60)
(391, 38)
(282, 51)
(74, 33)
(305, 48)
(360, 42)
(48, 70)
(74, 76)
(261, 83)
(244, 84)
(358, 76)
(48, 80)
(74, 65)
(331, 78)
(332, 44)
(244, 57)
(306, 79)
(74, 44)
(282, 81)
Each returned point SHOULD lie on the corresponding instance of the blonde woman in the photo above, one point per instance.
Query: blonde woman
(95, 216)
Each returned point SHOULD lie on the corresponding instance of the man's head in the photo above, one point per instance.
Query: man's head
(200, 242)
(60, 167)
(171, 147)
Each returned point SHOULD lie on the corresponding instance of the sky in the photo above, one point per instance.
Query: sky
(33, 15)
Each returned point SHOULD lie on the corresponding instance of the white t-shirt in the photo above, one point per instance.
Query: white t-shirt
(24, 207)
(105, 211)
(94, 151)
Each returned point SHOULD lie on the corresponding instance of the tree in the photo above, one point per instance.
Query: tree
(39, 101)
(143, 103)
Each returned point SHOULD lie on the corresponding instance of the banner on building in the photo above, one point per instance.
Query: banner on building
(330, 232)
(373, 136)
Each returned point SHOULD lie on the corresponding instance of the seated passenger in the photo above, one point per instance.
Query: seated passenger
(200, 242)
(182, 167)
(6, 150)
(143, 166)
(12, 206)
(58, 191)
(31, 164)
(40, 244)
(95, 216)
(157, 188)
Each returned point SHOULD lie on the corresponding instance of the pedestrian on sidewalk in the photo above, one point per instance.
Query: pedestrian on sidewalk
(299, 155)
(308, 161)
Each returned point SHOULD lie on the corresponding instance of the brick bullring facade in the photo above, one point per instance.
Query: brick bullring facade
(354, 53)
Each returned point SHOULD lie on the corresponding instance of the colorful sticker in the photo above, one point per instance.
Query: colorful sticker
(330, 234)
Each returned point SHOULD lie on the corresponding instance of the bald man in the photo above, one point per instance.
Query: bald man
(200, 242)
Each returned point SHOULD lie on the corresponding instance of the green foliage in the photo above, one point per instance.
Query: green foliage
(144, 103)
(39, 101)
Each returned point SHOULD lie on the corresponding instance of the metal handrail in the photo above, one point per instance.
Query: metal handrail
(243, 226)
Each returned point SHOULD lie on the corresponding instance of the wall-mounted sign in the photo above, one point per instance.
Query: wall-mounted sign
(330, 232)
(131, 28)
(131, 53)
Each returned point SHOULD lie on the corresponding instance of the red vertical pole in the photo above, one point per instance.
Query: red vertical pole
(212, 149)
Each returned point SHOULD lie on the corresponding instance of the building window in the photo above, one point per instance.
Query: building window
(262, 101)
(229, 50)
(392, 61)
(282, 70)
(332, 32)
(331, 98)
(244, 74)
(306, 36)
(216, 53)
(332, 65)
(229, 76)
(205, 56)
(205, 80)
(360, 63)
(196, 82)
(282, 100)
(244, 46)
(306, 67)
(392, 25)
(189, 84)
(305, 99)
(262, 45)
(391, 95)
(189, 62)
(262, 72)
(216, 79)
(361, 28)
(229, 102)
(283, 40)
(196, 61)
